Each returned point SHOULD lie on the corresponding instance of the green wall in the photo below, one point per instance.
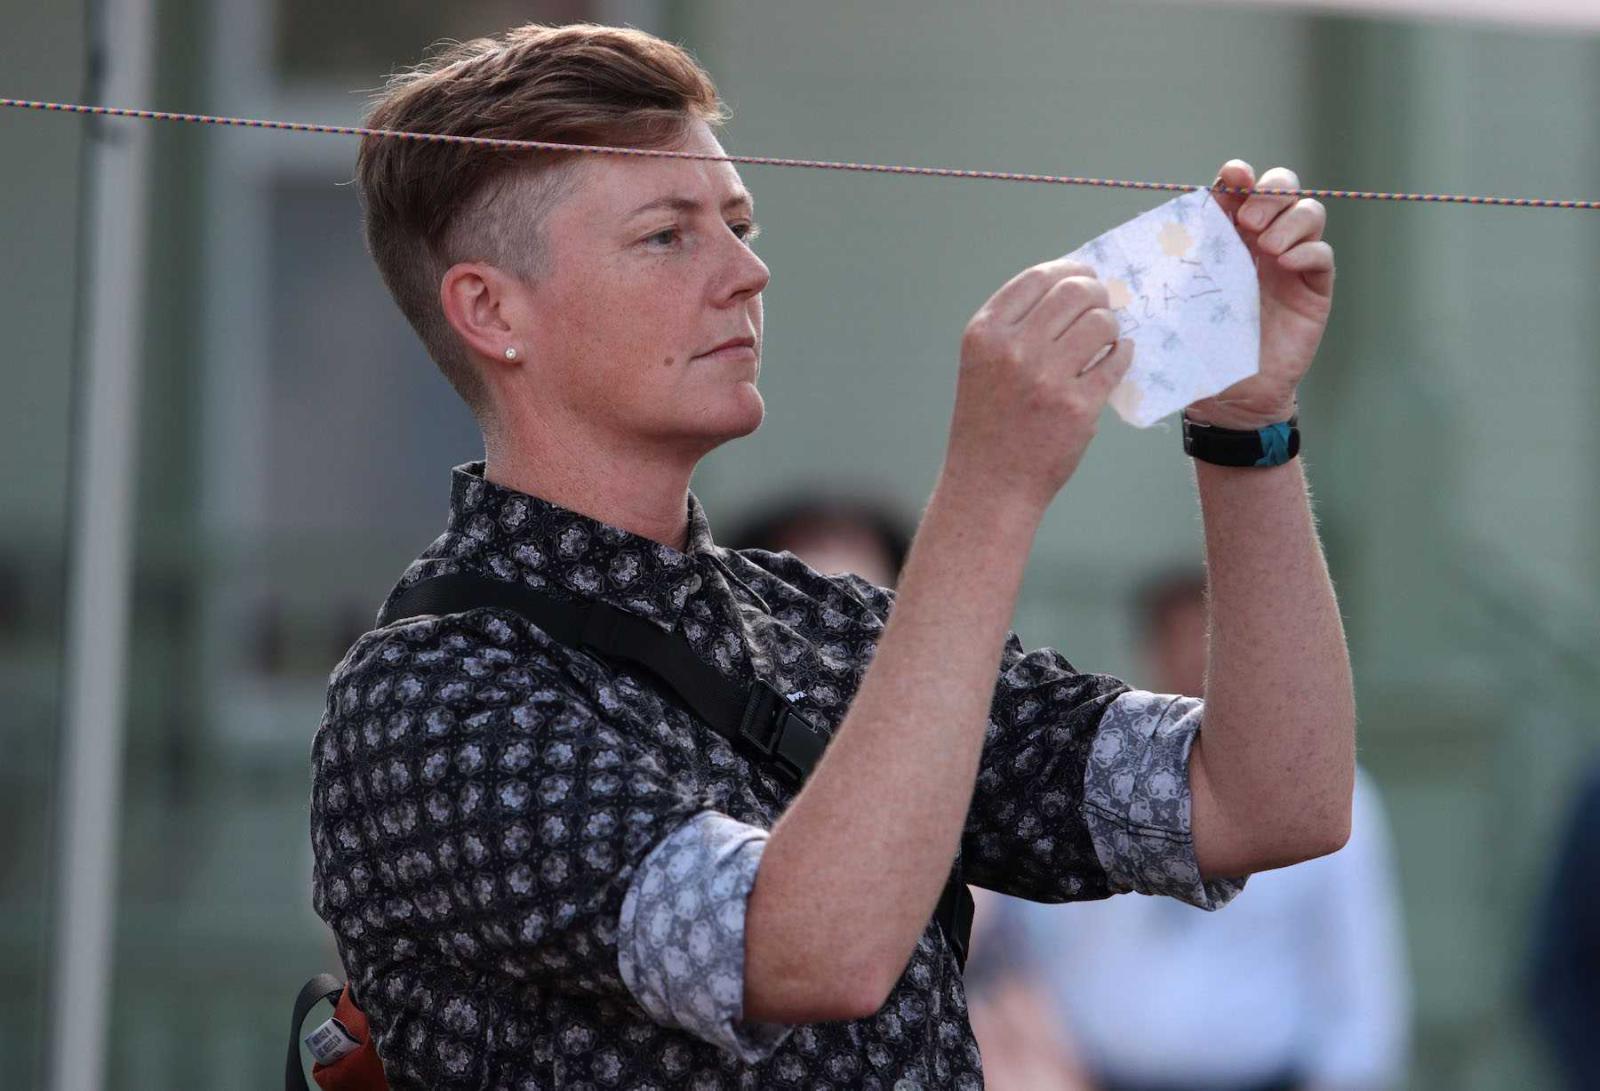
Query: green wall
(41, 157)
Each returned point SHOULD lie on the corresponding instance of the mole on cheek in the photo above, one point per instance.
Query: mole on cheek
(669, 361)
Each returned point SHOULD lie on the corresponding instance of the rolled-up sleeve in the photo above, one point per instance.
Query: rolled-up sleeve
(680, 938)
(1083, 786)
(1137, 802)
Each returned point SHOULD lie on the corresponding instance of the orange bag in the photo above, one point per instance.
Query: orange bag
(360, 1069)
(346, 1059)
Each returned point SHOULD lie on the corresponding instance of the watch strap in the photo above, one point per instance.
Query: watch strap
(1270, 446)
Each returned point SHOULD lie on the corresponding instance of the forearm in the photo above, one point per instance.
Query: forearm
(1273, 769)
(855, 866)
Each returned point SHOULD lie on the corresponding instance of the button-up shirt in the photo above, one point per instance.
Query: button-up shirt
(536, 862)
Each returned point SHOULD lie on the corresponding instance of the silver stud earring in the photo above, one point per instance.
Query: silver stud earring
(511, 353)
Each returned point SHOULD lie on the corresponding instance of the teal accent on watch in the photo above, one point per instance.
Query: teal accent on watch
(1274, 444)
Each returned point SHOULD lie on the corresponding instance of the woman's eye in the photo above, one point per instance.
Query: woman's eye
(671, 236)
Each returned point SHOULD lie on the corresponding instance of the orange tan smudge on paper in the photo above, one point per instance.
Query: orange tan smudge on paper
(1129, 400)
(1175, 240)
(1120, 294)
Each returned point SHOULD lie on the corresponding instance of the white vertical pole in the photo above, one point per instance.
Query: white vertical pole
(104, 460)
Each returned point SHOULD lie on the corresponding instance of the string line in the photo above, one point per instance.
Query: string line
(776, 161)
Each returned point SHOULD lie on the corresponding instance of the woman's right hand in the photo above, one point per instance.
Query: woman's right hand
(1038, 362)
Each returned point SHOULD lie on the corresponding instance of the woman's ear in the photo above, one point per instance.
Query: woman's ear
(476, 299)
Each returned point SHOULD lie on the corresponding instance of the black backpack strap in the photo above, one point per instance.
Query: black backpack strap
(761, 720)
(319, 988)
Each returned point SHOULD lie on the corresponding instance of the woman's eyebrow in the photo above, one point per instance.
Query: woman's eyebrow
(678, 203)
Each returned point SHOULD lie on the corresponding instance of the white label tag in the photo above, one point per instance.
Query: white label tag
(331, 1041)
(1185, 289)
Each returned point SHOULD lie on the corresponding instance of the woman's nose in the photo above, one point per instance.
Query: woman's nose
(748, 274)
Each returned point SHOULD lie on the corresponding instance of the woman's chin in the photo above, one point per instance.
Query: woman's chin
(708, 427)
(755, 407)
(740, 414)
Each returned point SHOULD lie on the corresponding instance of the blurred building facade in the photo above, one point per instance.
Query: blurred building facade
(294, 443)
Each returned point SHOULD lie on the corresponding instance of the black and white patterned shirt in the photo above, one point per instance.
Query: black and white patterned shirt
(536, 863)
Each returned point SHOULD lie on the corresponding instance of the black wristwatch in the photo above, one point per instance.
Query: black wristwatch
(1270, 446)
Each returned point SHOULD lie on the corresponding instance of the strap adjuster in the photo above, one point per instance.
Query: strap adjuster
(772, 726)
(759, 724)
(954, 914)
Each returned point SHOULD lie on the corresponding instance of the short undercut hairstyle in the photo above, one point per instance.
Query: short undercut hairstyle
(430, 205)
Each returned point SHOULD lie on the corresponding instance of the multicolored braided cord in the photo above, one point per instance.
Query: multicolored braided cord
(775, 161)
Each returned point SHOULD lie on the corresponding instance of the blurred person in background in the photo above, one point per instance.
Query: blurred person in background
(1301, 985)
(831, 532)
(542, 870)
(1565, 979)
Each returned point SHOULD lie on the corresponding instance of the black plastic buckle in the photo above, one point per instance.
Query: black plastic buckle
(954, 914)
(772, 726)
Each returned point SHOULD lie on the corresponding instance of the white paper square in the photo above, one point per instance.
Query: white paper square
(1185, 289)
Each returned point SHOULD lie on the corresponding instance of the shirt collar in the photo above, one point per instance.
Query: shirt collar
(522, 537)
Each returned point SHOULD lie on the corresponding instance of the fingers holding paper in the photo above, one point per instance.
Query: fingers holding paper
(1282, 227)
(1038, 362)
(1295, 269)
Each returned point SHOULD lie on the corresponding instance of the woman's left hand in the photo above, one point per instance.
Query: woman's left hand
(1296, 269)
